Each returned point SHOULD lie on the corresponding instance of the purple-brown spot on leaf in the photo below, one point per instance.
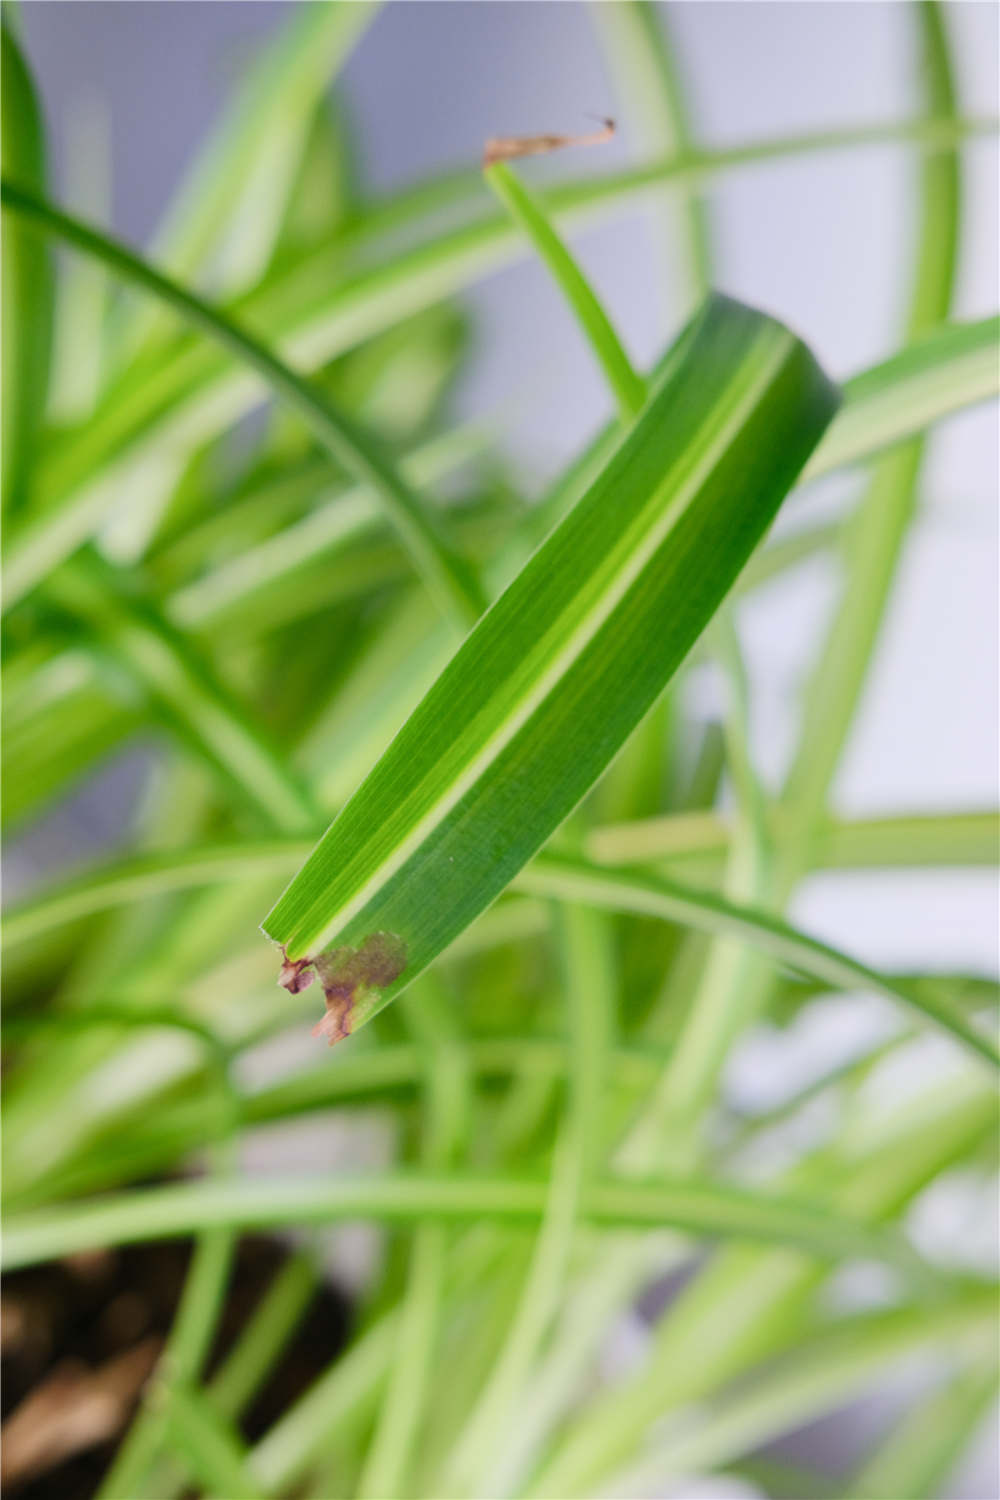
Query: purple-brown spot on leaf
(296, 974)
(348, 974)
(511, 147)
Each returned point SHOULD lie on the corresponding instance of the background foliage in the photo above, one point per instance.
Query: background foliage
(242, 532)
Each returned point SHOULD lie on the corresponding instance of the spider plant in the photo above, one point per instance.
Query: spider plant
(430, 731)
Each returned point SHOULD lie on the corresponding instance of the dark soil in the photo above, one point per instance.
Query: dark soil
(81, 1336)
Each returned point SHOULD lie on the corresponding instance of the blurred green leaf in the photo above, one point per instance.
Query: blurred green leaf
(747, 1304)
(45, 542)
(651, 94)
(223, 223)
(574, 880)
(697, 1207)
(821, 1375)
(944, 371)
(915, 1460)
(188, 394)
(958, 838)
(185, 689)
(210, 1445)
(27, 281)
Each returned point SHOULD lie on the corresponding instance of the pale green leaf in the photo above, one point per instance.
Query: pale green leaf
(956, 366)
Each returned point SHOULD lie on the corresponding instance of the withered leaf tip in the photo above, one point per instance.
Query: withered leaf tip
(510, 147)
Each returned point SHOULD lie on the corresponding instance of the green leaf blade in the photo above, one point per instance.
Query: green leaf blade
(697, 1207)
(628, 387)
(550, 684)
(956, 366)
(54, 536)
(27, 282)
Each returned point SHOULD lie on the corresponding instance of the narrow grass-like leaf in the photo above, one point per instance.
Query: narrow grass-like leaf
(209, 1443)
(880, 843)
(636, 41)
(628, 387)
(696, 1206)
(952, 369)
(82, 301)
(823, 1373)
(145, 878)
(194, 392)
(52, 737)
(380, 1077)
(56, 728)
(668, 1131)
(265, 1334)
(422, 1311)
(186, 1351)
(343, 1392)
(956, 366)
(278, 559)
(27, 280)
(881, 522)
(548, 687)
(40, 545)
(951, 390)
(959, 838)
(186, 690)
(915, 1460)
(748, 1303)
(877, 530)
(479, 1459)
(252, 150)
(363, 1074)
(574, 880)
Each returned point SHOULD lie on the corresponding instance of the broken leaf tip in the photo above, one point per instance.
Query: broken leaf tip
(510, 147)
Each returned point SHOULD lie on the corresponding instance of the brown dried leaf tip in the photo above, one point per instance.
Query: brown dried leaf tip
(296, 974)
(510, 147)
(347, 976)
